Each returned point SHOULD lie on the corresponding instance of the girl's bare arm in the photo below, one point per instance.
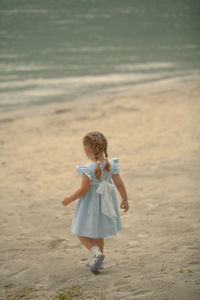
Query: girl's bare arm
(122, 190)
(85, 184)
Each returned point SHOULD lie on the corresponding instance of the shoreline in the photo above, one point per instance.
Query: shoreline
(60, 106)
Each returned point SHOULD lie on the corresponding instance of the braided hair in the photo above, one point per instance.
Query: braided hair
(98, 143)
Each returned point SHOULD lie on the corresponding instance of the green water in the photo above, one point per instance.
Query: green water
(54, 51)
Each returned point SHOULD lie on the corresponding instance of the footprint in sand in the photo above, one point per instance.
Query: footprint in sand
(194, 263)
(127, 276)
(124, 287)
(122, 284)
(19, 272)
(141, 293)
(84, 259)
(55, 243)
(7, 120)
(62, 111)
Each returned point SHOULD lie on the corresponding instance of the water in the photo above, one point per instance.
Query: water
(54, 51)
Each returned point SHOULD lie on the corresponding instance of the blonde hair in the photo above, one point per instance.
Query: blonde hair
(98, 143)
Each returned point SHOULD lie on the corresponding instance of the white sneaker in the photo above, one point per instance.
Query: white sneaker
(100, 268)
(96, 262)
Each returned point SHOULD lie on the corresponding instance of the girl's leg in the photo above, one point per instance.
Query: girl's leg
(97, 247)
(87, 242)
(91, 242)
(100, 243)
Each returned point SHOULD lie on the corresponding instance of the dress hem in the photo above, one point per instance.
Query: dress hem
(96, 237)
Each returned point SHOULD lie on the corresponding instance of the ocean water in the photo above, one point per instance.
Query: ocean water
(56, 51)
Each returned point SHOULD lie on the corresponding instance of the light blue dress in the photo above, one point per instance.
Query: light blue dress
(96, 213)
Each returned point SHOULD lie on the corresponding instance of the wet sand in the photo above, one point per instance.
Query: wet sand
(154, 130)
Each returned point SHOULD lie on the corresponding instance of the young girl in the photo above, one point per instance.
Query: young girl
(96, 214)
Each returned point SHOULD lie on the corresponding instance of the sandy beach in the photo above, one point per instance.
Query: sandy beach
(154, 130)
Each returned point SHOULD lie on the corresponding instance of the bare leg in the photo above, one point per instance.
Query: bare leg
(100, 243)
(91, 242)
(87, 242)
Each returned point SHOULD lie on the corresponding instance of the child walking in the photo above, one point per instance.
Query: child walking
(96, 214)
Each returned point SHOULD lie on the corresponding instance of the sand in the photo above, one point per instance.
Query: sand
(154, 130)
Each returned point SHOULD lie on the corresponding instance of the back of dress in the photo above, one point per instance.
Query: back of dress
(96, 213)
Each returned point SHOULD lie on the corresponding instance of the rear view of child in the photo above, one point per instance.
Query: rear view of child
(96, 214)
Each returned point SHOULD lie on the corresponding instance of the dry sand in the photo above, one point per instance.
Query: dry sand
(155, 132)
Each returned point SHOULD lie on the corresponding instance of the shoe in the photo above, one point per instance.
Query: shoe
(100, 268)
(96, 262)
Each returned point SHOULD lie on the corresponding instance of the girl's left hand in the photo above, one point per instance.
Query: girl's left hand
(124, 205)
(66, 201)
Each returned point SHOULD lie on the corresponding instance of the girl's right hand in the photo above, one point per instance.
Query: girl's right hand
(66, 201)
(124, 205)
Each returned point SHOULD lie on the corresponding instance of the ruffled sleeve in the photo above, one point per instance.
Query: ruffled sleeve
(83, 169)
(115, 166)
